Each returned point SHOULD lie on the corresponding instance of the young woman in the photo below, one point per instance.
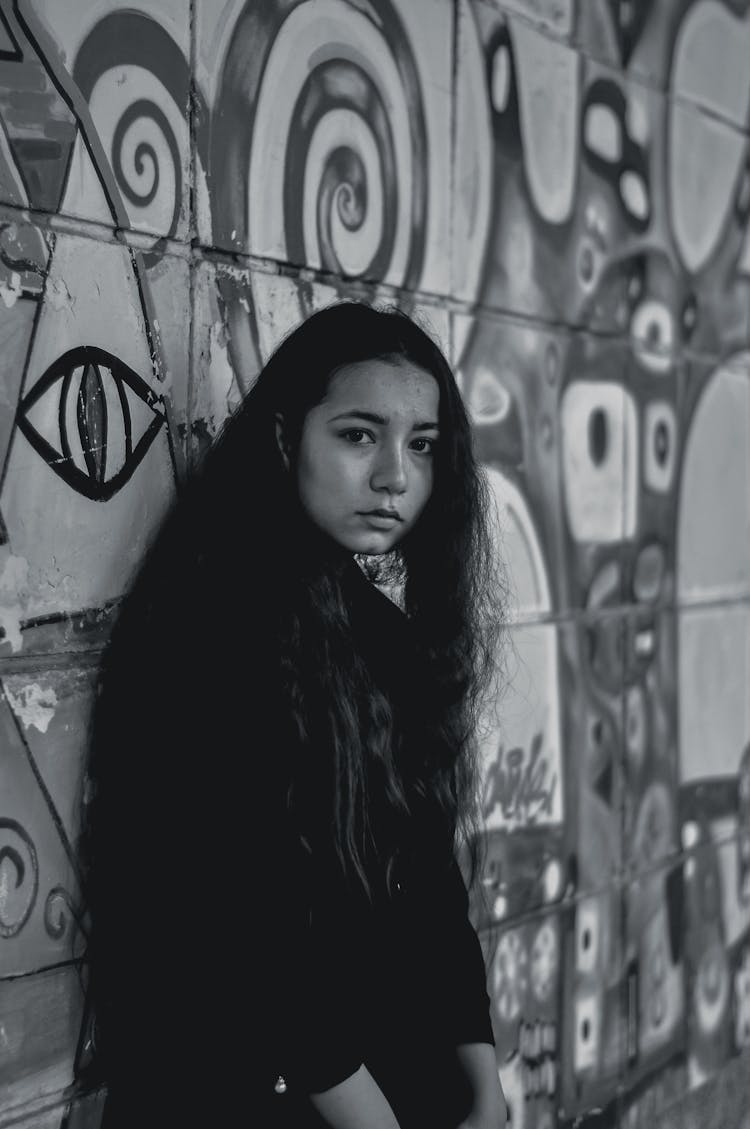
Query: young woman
(282, 762)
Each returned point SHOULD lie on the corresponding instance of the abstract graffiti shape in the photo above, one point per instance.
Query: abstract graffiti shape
(19, 877)
(104, 415)
(706, 155)
(511, 977)
(587, 1033)
(544, 961)
(613, 152)
(588, 940)
(659, 445)
(59, 911)
(548, 92)
(600, 460)
(653, 336)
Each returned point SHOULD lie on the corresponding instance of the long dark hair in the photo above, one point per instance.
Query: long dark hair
(240, 600)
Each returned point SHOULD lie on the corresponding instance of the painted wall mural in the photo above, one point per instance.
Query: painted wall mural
(562, 190)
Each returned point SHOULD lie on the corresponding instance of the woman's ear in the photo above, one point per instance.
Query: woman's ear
(281, 439)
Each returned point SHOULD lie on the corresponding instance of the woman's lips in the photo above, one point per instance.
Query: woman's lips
(382, 518)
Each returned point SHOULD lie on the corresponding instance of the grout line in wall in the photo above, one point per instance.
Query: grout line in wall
(455, 32)
(193, 230)
(246, 263)
(13, 977)
(622, 877)
(47, 661)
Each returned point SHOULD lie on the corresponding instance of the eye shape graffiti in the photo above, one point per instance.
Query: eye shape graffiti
(92, 419)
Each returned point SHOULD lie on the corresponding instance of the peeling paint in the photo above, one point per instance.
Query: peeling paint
(11, 292)
(13, 598)
(33, 704)
(57, 294)
(218, 394)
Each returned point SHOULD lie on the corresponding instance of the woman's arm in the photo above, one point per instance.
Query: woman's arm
(488, 1110)
(356, 1103)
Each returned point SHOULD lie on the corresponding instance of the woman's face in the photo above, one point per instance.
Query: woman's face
(365, 460)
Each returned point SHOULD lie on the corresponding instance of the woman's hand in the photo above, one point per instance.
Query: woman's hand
(488, 1109)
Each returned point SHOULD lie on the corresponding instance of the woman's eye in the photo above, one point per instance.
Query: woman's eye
(424, 446)
(356, 435)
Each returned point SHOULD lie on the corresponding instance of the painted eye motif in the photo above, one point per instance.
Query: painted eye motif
(92, 419)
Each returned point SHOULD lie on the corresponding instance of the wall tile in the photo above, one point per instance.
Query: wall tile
(713, 657)
(716, 932)
(333, 157)
(41, 1018)
(516, 164)
(115, 138)
(43, 721)
(510, 375)
(594, 1025)
(87, 462)
(525, 779)
(525, 963)
(713, 511)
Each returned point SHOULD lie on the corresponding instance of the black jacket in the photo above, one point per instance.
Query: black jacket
(282, 971)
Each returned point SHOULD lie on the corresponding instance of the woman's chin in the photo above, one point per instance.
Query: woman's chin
(374, 544)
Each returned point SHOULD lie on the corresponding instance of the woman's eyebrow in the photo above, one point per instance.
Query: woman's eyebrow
(373, 417)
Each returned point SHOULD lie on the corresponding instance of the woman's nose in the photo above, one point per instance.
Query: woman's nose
(389, 471)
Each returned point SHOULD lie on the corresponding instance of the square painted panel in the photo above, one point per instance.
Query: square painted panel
(717, 956)
(525, 962)
(655, 970)
(651, 801)
(591, 697)
(330, 137)
(44, 720)
(89, 466)
(713, 513)
(41, 1019)
(594, 1021)
(707, 178)
(126, 82)
(598, 454)
(714, 719)
(518, 104)
(510, 373)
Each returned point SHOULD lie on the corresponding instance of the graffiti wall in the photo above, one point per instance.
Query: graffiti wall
(561, 188)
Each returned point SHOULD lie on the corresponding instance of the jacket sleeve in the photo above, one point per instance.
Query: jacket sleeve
(319, 1041)
(464, 996)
